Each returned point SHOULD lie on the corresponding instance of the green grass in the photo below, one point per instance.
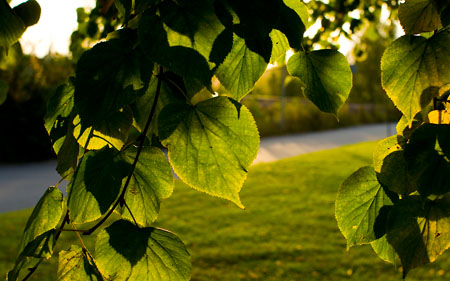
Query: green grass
(287, 232)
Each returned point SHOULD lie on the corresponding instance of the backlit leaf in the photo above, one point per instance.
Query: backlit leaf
(358, 204)
(211, 145)
(241, 69)
(300, 8)
(384, 250)
(327, 76)
(280, 45)
(60, 104)
(385, 147)
(39, 234)
(111, 132)
(412, 67)
(77, 264)
(126, 252)
(439, 117)
(152, 181)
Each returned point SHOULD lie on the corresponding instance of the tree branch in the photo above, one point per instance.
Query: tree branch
(141, 138)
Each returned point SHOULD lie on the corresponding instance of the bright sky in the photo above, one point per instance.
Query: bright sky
(52, 32)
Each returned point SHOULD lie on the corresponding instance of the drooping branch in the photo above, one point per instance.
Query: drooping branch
(141, 138)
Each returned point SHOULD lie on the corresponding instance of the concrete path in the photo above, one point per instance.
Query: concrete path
(275, 148)
(22, 185)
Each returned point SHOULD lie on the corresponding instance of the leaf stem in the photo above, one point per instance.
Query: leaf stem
(141, 139)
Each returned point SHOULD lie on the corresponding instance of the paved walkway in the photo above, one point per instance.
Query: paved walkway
(22, 185)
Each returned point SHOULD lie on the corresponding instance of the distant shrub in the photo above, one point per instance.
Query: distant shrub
(300, 115)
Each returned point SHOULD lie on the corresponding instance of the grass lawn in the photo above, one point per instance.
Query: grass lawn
(287, 232)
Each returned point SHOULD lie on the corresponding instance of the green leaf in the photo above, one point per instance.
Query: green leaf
(34, 253)
(385, 147)
(428, 166)
(126, 252)
(358, 205)
(11, 26)
(59, 125)
(301, 10)
(290, 22)
(96, 185)
(241, 69)
(211, 145)
(46, 215)
(182, 60)
(384, 250)
(38, 237)
(152, 181)
(60, 104)
(411, 67)
(29, 12)
(390, 165)
(141, 107)
(327, 76)
(280, 45)
(111, 132)
(403, 127)
(418, 16)
(77, 264)
(68, 156)
(108, 78)
(4, 87)
(419, 230)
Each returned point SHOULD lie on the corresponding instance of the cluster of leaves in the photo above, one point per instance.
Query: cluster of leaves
(147, 86)
(400, 205)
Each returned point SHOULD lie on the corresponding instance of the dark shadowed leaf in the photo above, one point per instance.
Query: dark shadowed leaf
(182, 60)
(419, 230)
(11, 26)
(126, 252)
(418, 16)
(428, 166)
(96, 185)
(108, 78)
